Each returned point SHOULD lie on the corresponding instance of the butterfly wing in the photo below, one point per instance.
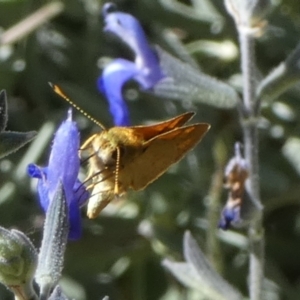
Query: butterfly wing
(159, 154)
(151, 131)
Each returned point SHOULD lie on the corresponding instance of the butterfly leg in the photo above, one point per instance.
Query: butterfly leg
(98, 202)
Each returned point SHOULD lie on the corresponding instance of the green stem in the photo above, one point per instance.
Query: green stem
(213, 248)
(24, 292)
(249, 118)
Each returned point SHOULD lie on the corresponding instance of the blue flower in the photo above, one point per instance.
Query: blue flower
(231, 215)
(63, 166)
(145, 69)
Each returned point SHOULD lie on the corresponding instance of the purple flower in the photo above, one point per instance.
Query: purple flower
(145, 69)
(237, 207)
(63, 166)
(231, 215)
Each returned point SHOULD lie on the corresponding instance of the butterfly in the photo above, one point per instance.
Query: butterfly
(124, 158)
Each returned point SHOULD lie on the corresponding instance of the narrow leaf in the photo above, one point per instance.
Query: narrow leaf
(184, 82)
(197, 260)
(187, 275)
(3, 110)
(184, 273)
(203, 11)
(54, 242)
(179, 48)
(11, 141)
(291, 150)
(57, 294)
(281, 78)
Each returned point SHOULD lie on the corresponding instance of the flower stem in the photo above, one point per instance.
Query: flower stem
(31, 23)
(249, 118)
(24, 292)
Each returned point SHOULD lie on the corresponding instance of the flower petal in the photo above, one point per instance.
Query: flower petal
(230, 216)
(75, 230)
(129, 30)
(35, 171)
(80, 192)
(64, 160)
(113, 78)
(43, 191)
(63, 169)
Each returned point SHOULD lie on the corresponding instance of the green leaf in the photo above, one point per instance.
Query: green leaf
(57, 294)
(183, 272)
(197, 273)
(211, 279)
(281, 78)
(11, 141)
(55, 235)
(3, 110)
(184, 82)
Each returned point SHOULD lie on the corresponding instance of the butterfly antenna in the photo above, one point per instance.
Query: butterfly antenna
(59, 92)
(116, 191)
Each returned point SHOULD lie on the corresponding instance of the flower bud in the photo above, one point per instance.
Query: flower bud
(18, 261)
(236, 174)
(248, 14)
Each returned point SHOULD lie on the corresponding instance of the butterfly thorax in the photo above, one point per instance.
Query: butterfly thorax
(107, 142)
(103, 147)
(123, 137)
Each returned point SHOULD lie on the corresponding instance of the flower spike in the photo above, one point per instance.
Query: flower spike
(63, 166)
(236, 174)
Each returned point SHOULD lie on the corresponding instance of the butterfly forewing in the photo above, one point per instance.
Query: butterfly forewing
(158, 154)
(151, 131)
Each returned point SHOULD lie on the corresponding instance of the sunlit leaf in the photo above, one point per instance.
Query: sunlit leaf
(196, 258)
(281, 78)
(198, 273)
(184, 273)
(184, 82)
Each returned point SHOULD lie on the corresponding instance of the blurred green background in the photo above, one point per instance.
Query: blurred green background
(121, 251)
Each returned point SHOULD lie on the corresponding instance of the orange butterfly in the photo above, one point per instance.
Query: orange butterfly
(121, 158)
